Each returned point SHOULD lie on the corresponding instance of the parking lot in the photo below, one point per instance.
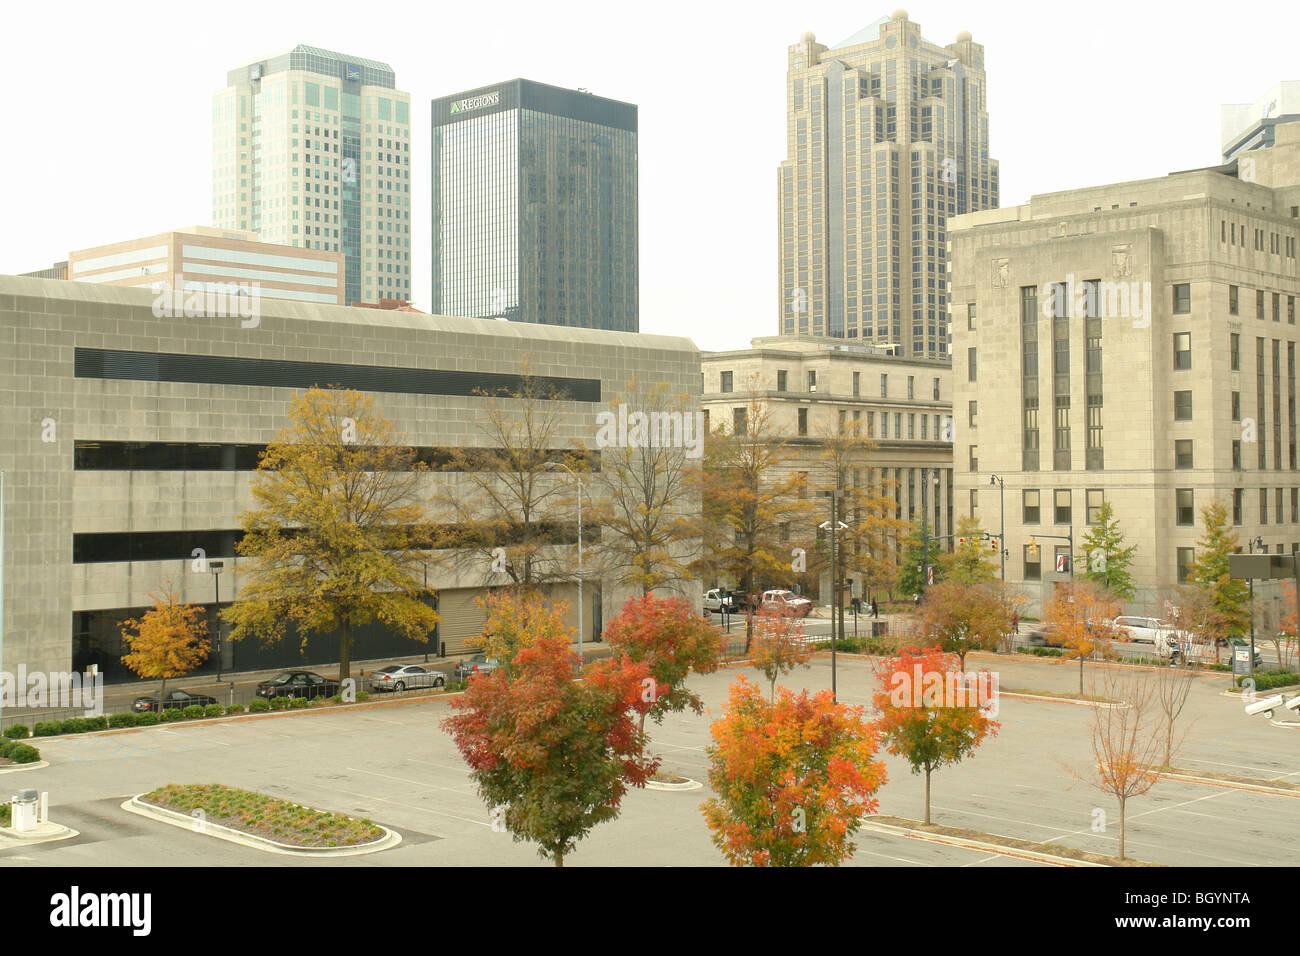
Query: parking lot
(394, 765)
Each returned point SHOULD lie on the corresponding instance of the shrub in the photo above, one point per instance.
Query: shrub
(279, 703)
(363, 696)
(18, 732)
(97, 723)
(47, 728)
(4, 814)
(124, 719)
(1044, 651)
(235, 709)
(258, 705)
(298, 702)
(6, 746)
(336, 699)
(172, 714)
(74, 725)
(1270, 679)
(213, 710)
(24, 753)
(147, 719)
(191, 711)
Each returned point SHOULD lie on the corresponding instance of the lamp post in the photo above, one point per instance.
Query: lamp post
(216, 567)
(832, 526)
(1257, 541)
(1002, 522)
(578, 478)
(2, 575)
(925, 531)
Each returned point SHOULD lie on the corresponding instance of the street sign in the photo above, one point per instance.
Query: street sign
(1240, 659)
(929, 575)
(1260, 566)
(1062, 563)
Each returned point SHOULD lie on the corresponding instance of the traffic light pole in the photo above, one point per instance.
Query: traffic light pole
(1060, 537)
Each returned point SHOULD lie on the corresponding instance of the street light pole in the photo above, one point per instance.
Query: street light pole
(216, 568)
(832, 528)
(1002, 523)
(2, 576)
(1258, 539)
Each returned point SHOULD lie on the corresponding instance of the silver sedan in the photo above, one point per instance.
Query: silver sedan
(398, 677)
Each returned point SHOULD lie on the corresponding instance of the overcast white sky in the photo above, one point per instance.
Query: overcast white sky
(107, 117)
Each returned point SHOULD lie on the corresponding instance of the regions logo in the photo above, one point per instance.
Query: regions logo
(475, 102)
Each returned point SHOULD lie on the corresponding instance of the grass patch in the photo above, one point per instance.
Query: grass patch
(1090, 698)
(4, 814)
(264, 816)
(1011, 843)
(1231, 778)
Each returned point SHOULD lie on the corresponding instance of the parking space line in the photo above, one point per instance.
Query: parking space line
(414, 783)
(398, 803)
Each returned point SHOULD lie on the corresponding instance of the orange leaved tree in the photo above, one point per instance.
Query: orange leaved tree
(793, 778)
(963, 617)
(929, 711)
(779, 646)
(1083, 617)
(169, 640)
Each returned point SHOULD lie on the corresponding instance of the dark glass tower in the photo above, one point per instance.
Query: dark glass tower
(535, 206)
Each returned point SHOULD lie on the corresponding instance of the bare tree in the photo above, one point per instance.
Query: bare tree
(1172, 686)
(1127, 738)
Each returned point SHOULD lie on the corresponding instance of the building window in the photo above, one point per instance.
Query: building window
(974, 458)
(1237, 507)
(1263, 506)
(911, 387)
(974, 502)
(1182, 298)
(871, 424)
(884, 385)
(1033, 562)
(1184, 507)
(739, 421)
(1183, 453)
(972, 413)
(1063, 511)
(1236, 454)
(726, 382)
(1232, 300)
(1259, 303)
(802, 478)
(857, 384)
(1095, 498)
(812, 380)
(803, 421)
(1234, 352)
(843, 420)
(1183, 406)
(936, 389)
(925, 419)
(970, 316)
(970, 365)
(1186, 559)
(1030, 503)
(1236, 406)
(781, 380)
(1182, 350)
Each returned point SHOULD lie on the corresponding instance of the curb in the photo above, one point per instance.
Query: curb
(1229, 784)
(681, 787)
(37, 765)
(1109, 705)
(977, 845)
(52, 832)
(185, 822)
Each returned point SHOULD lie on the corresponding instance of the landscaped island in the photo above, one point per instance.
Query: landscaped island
(263, 816)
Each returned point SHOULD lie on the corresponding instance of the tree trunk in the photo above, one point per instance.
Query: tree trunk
(345, 652)
(559, 860)
(162, 694)
(1081, 673)
(1121, 828)
(927, 795)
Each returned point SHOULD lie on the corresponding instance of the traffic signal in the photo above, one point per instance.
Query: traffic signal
(1033, 548)
(993, 545)
(961, 542)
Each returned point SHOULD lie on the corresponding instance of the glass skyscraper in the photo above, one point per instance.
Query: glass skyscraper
(535, 206)
(887, 138)
(312, 149)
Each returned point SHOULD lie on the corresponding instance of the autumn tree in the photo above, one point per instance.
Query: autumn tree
(910, 579)
(929, 713)
(1106, 561)
(971, 560)
(793, 778)
(168, 640)
(650, 446)
(332, 543)
(1229, 597)
(755, 508)
(962, 617)
(514, 618)
(509, 512)
(779, 646)
(551, 756)
(1126, 739)
(1283, 634)
(671, 639)
(1083, 618)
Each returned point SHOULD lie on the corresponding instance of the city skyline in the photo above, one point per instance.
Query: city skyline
(1143, 129)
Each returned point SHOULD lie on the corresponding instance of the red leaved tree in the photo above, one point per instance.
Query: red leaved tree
(793, 778)
(779, 646)
(671, 639)
(168, 640)
(929, 711)
(552, 756)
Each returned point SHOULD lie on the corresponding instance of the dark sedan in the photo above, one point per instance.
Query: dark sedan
(175, 700)
(297, 684)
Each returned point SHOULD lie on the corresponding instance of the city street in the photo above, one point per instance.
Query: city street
(393, 764)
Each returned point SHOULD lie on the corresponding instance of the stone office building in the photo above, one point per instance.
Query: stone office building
(815, 388)
(130, 441)
(1135, 344)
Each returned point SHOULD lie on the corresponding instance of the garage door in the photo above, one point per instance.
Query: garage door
(462, 618)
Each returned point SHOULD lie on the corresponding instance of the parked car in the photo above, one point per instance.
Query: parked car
(1042, 635)
(173, 701)
(478, 664)
(786, 601)
(1179, 648)
(1143, 630)
(398, 677)
(297, 684)
(718, 600)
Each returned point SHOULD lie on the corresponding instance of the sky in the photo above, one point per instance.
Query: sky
(107, 126)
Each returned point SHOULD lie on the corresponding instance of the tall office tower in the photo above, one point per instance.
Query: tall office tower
(1247, 126)
(887, 137)
(313, 149)
(535, 206)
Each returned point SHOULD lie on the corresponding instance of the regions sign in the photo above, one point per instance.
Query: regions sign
(475, 102)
